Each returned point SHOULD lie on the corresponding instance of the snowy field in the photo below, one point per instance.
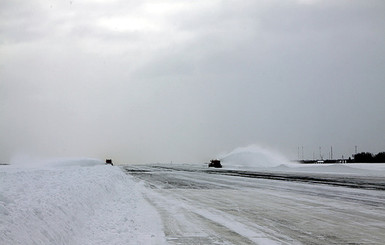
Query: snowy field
(74, 201)
(83, 201)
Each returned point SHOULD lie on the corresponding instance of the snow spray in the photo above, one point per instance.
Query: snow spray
(252, 156)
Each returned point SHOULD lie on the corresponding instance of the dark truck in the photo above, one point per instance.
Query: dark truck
(215, 163)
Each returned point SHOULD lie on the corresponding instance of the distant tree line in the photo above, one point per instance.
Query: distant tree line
(369, 157)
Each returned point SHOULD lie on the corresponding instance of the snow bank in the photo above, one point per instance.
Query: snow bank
(80, 202)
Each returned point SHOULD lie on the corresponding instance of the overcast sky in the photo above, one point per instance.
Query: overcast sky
(183, 81)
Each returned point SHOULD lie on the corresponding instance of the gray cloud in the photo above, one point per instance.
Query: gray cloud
(185, 81)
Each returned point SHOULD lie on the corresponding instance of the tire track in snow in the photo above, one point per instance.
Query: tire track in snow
(186, 223)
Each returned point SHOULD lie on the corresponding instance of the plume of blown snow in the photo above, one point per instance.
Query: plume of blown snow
(27, 161)
(252, 156)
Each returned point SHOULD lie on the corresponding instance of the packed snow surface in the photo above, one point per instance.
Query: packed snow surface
(74, 201)
(201, 205)
(84, 201)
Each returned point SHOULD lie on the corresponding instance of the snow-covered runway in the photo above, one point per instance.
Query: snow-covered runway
(211, 207)
(83, 201)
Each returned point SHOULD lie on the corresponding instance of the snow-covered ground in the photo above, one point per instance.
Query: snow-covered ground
(207, 206)
(74, 201)
(83, 201)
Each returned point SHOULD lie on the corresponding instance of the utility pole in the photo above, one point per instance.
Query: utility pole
(302, 154)
(331, 152)
(298, 153)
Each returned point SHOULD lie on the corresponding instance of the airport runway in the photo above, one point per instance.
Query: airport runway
(209, 206)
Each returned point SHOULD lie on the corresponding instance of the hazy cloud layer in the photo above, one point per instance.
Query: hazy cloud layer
(186, 80)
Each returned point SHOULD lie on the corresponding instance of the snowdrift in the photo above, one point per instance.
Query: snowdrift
(74, 202)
